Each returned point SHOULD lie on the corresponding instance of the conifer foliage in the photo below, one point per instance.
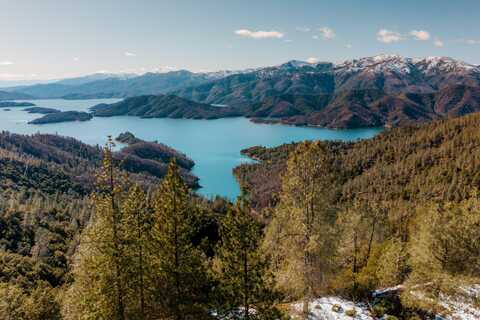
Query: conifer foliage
(246, 285)
(301, 235)
(179, 267)
(101, 282)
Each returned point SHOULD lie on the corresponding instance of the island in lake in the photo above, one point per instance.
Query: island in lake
(65, 116)
(10, 104)
(127, 138)
(41, 110)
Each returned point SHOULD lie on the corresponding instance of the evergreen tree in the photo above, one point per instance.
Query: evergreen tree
(362, 228)
(444, 252)
(136, 228)
(246, 285)
(100, 271)
(180, 267)
(301, 235)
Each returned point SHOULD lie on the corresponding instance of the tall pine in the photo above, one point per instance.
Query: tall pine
(181, 274)
(136, 224)
(301, 236)
(100, 286)
(245, 281)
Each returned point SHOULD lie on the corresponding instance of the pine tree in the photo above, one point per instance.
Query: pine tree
(245, 282)
(136, 228)
(444, 252)
(300, 236)
(362, 228)
(100, 286)
(180, 266)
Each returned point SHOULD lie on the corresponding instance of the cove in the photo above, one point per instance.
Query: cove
(214, 145)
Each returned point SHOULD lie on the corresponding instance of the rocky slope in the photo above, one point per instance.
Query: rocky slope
(373, 91)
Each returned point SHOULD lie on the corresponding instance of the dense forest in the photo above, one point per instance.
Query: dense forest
(391, 222)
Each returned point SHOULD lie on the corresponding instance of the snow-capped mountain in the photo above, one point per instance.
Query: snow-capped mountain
(377, 64)
(214, 75)
(371, 91)
(95, 77)
(444, 64)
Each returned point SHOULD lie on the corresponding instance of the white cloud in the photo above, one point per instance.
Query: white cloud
(315, 37)
(327, 33)
(348, 46)
(387, 36)
(438, 43)
(6, 63)
(420, 35)
(312, 60)
(76, 59)
(287, 40)
(303, 29)
(130, 54)
(259, 34)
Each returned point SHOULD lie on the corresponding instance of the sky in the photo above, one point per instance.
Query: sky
(52, 39)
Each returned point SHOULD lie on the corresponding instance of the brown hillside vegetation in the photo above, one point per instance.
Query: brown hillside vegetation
(437, 161)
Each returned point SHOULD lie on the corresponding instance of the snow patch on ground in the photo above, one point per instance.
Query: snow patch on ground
(323, 309)
(462, 306)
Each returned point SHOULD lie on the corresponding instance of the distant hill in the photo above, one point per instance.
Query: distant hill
(5, 95)
(346, 109)
(95, 77)
(115, 86)
(163, 106)
(373, 91)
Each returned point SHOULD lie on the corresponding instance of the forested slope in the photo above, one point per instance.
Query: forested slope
(436, 161)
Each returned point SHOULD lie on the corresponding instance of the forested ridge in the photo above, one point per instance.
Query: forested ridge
(438, 161)
(315, 219)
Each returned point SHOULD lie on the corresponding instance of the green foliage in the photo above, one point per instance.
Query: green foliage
(180, 266)
(301, 238)
(245, 283)
(392, 263)
(38, 304)
(432, 162)
(444, 253)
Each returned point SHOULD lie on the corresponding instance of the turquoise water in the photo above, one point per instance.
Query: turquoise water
(214, 145)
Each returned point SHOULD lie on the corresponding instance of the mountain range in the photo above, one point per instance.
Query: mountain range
(372, 91)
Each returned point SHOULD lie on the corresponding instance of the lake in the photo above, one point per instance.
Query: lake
(214, 145)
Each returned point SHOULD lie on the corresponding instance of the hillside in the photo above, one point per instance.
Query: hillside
(5, 95)
(63, 116)
(437, 161)
(163, 106)
(373, 91)
(381, 90)
(111, 86)
(45, 183)
(34, 158)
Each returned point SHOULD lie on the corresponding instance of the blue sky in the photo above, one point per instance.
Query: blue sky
(54, 39)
